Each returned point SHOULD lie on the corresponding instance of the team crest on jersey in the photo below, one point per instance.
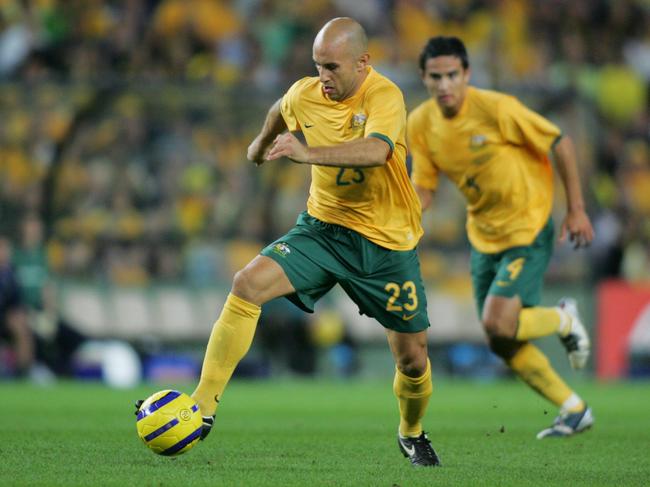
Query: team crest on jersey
(358, 120)
(477, 141)
(282, 249)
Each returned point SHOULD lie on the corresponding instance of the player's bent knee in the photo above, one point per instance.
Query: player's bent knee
(261, 281)
(243, 286)
(505, 348)
(499, 327)
(490, 326)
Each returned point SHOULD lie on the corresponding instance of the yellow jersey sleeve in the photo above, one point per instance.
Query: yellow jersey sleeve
(424, 171)
(386, 104)
(522, 126)
(288, 101)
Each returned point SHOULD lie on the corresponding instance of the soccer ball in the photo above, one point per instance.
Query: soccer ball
(169, 422)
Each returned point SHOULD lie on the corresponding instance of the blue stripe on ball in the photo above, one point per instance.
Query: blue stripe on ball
(161, 430)
(166, 399)
(183, 443)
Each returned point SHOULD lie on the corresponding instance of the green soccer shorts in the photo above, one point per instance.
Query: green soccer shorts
(385, 284)
(518, 271)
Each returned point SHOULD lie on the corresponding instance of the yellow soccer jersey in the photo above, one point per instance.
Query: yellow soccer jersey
(377, 202)
(496, 151)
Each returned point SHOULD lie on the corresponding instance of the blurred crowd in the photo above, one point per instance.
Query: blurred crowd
(125, 123)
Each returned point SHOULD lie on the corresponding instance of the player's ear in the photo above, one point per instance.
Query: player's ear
(363, 60)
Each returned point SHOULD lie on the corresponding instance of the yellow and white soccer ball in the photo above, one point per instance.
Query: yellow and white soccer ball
(169, 422)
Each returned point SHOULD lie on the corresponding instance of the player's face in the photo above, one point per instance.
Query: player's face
(340, 72)
(446, 80)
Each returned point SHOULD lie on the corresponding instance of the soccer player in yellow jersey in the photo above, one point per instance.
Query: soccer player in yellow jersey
(360, 229)
(495, 150)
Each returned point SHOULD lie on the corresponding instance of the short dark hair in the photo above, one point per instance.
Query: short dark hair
(444, 46)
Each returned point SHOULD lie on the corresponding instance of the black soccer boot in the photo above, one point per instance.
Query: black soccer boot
(208, 421)
(418, 450)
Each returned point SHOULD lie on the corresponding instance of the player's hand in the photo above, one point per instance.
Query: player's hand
(577, 227)
(255, 152)
(287, 145)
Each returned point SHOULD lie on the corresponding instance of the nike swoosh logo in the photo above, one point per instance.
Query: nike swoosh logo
(503, 283)
(309, 125)
(410, 451)
(410, 317)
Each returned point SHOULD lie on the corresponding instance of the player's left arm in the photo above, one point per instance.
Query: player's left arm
(576, 223)
(274, 124)
(367, 152)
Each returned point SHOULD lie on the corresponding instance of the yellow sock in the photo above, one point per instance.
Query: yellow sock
(540, 322)
(230, 339)
(413, 397)
(532, 366)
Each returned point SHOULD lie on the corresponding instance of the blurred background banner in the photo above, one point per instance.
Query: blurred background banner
(623, 330)
(128, 203)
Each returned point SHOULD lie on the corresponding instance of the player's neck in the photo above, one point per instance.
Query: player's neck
(357, 86)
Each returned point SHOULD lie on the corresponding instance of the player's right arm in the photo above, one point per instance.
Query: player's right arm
(424, 172)
(385, 114)
(366, 152)
(522, 126)
(274, 125)
(576, 222)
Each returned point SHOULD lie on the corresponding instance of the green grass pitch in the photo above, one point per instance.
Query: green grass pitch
(324, 433)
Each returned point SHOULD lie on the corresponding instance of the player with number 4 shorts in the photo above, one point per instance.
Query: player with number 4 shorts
(495, 150)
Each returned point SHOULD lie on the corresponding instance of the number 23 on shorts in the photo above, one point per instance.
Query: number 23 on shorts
(411, 302)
